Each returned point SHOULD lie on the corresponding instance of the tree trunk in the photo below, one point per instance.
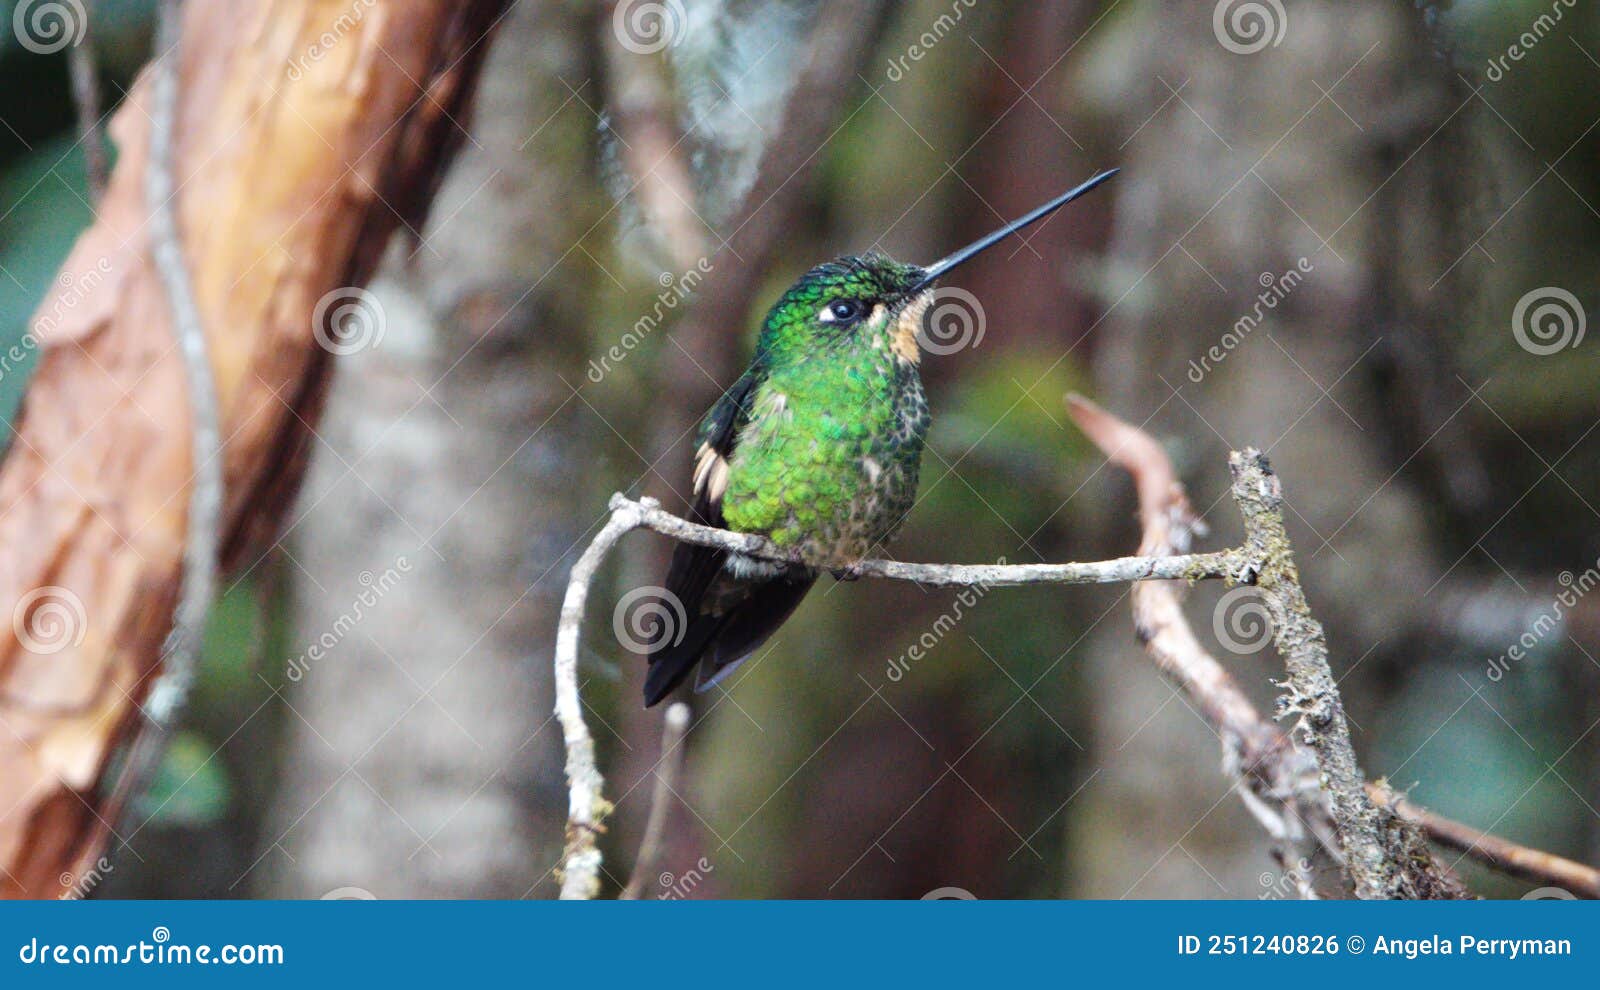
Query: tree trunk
(424, 762)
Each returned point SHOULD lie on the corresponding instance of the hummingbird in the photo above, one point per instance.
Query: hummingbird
(817, 447)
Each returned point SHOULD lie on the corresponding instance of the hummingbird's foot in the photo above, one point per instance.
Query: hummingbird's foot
(850, 572)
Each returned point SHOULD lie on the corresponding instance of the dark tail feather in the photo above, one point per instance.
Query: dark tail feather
(721, 642)
(750, 625)
(672, 664)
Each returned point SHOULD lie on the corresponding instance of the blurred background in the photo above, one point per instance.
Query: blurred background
(641, 180)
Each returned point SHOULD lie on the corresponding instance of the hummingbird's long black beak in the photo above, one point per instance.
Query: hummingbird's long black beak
(943, 265)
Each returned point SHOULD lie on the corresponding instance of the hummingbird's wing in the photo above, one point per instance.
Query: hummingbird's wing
(694, 567)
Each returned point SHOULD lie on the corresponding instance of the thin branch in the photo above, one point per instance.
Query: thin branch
(1491, 850)
(667, 771)
(1189, 567)
(586, 807)
(86, 98)
(164, 703)
(205, 500)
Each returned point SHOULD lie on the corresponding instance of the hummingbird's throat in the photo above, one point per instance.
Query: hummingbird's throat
(907, 328)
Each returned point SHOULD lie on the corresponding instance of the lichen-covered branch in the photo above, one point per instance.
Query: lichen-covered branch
(1385, 857)
(1313, 695)
(1492, 850)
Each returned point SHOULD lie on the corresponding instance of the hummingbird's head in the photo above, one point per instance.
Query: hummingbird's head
(873, 299)
(858, 298)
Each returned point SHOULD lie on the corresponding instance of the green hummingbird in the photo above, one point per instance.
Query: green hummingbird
(816, 447)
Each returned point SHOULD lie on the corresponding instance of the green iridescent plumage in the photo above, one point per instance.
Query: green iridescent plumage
(826, 461)
(816, 447)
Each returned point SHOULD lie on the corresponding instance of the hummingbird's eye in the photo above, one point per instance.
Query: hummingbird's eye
(841, 311)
